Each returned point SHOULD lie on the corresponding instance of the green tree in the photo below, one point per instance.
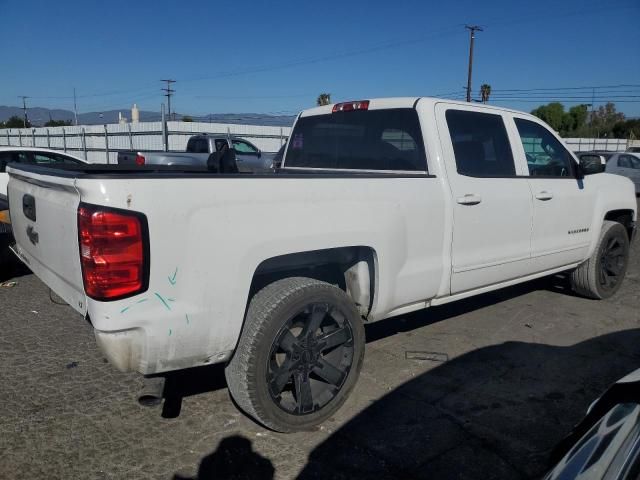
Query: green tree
(627, 129)
(58, 123)
(16, 122)
(323, 99)
(187, 118)
(577, 121)
(569, 124)
(604, 119)
(553, 114)
(485, 91)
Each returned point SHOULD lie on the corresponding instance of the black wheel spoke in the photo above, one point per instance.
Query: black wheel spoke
(318, 312)
(304, 397)
(287, 341)
(334, 339)
(328, 372)
(612, 268)
(616, 251)
(281, 377)
(602, 276)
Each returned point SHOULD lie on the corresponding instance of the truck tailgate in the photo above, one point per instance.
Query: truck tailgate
(44, 217)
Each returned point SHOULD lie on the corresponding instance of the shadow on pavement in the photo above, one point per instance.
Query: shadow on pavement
(194, 381)
(10, 266)
(233, 459)
(391, 326)
(494, 413)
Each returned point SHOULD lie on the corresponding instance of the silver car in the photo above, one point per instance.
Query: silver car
(626, 164)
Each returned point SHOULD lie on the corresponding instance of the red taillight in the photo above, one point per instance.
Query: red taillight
(112, 252)
(140, 159)
(349, 106)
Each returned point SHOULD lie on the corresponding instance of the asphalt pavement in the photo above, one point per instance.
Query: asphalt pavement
(479, 389)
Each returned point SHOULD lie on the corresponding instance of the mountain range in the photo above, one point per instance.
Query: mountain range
(39, 116)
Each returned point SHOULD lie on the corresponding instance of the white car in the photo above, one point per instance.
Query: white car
(382, 207)
(626, 164)
(33, 156)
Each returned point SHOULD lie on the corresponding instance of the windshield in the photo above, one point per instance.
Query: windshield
(361, 140)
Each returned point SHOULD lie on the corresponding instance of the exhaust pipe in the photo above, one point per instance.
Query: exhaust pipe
(152, 390)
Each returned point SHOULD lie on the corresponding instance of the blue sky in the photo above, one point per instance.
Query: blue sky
(277, 56)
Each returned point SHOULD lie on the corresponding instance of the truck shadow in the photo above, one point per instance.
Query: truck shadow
(412, 321)
(198, 380)
(495, 412)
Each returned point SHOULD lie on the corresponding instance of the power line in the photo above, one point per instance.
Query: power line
(590, 87)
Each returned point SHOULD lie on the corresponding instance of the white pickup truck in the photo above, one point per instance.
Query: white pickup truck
(382, 207)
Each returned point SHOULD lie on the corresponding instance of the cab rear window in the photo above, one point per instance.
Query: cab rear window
(358, 140)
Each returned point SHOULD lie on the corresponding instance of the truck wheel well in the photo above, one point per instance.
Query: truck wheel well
(352, 269)
(625, 217)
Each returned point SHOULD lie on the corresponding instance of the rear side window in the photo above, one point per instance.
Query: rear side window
(629, 161)
(480, 144)
(197, 145)
(359, 140)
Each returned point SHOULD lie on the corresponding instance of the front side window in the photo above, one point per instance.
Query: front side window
(243, 147)
(546, 156)
(388, 139)
(480, 144)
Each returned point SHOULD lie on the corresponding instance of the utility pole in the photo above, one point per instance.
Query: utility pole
(472, 32)
(75, 107)
(24, 108)
(170, 92)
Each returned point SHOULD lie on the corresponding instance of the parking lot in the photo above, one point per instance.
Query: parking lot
(482, 388)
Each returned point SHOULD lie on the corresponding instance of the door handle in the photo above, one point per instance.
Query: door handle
(544, 195)
(469, 199)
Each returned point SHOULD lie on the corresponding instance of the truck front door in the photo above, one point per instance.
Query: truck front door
(563, 206)
(491, 205)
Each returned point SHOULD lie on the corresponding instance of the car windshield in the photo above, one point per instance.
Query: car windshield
(362, 140)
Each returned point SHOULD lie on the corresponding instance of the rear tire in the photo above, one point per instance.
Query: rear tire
(299, 355)
(601, 275)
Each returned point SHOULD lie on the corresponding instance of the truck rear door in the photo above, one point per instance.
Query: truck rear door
(44, 217)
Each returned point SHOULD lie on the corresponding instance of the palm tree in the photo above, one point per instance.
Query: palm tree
(323, 99)
(485, 91)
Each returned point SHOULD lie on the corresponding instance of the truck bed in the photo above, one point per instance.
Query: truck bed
(208, 236)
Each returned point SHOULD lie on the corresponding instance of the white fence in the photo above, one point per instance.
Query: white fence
(101, 143)
(587, 144)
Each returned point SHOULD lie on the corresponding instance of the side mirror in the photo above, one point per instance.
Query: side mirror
(579, 171)
(591, 164)
(259, 153)
(3, 166)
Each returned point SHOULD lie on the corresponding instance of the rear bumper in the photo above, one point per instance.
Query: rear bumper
(139, 350)
(124, 349)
